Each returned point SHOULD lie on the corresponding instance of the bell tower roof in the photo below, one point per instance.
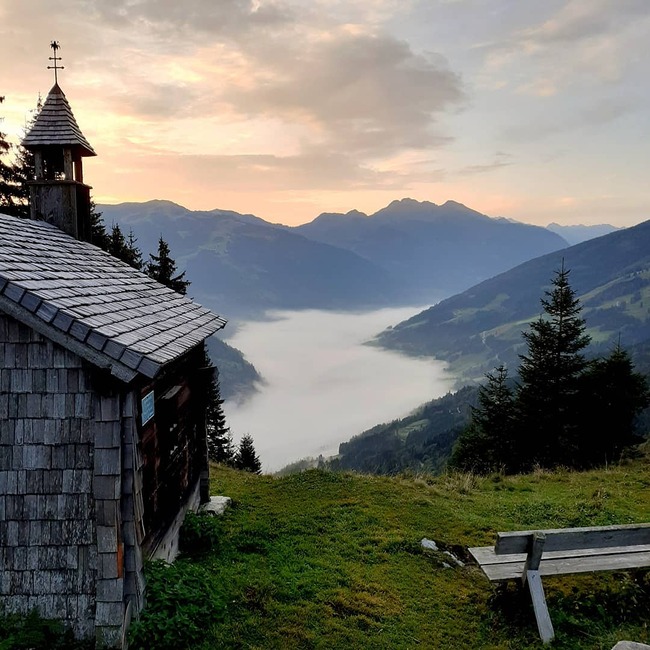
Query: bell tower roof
(56, 125)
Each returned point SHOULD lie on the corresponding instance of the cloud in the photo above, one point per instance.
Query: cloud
(194, 18)
(473, 170)
(334, 387)
(597, 115)
(369, 93)
(583, 44)
(347, 86)
(579, 20)
(311, 170)
(157, 100)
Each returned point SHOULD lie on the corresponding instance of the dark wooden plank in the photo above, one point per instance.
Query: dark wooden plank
(574, 538)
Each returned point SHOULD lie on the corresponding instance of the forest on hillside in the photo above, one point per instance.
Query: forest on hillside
(560, 409)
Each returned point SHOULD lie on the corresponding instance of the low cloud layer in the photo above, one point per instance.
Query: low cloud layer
(323, 385)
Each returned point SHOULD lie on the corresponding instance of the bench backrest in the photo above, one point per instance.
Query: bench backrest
(569, 539)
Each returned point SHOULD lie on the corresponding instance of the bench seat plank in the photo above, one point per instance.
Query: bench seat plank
(507, 567)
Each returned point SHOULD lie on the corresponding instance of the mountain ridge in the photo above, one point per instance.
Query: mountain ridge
(480, 328)
(406, 253)
(433, 249)
(577, 233)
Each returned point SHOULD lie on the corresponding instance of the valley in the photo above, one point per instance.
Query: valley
(322, 385)
(303, 301)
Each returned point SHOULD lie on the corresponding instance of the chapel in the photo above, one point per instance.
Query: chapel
(102, 404)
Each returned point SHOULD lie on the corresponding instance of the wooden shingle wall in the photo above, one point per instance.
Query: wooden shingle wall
(132, 510)
(47, 528)
(107, 490)
(61, 547)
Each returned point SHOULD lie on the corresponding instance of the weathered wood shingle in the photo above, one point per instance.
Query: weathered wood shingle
(99, 303)
(56, 125)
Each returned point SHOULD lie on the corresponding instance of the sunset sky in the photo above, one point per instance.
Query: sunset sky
(538, 110)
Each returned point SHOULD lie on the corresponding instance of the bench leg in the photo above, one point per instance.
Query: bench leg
(542, 616)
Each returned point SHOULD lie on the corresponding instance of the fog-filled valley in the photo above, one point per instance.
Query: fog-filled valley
(322, 384)
(302, 301)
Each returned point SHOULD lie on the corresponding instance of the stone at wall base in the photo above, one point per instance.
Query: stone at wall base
(216, 505)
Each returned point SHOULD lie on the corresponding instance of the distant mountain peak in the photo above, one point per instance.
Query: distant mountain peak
(454, 204)
(152, 203)
(339, 216)
(161, 203)
(555, 224)
(409, 204)
(576, 233)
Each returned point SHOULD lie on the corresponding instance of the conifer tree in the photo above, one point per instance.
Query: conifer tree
(133, 253)
(24, 171)
(162, 268)
(613, 394)
(550, 373)
(122, 248)
(246, 457)
(220, 444)
(8, 195)
(117, 243)
(98, 234)
(487, 444)
(565, 410)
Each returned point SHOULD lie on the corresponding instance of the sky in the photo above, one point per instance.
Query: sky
(533, 110)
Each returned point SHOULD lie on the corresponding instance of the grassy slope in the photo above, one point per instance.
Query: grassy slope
(323, 560)
(479, 329)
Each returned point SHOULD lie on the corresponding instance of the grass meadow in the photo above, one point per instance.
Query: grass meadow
(326, 560)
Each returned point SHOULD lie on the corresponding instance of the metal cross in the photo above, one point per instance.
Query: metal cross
(55, 46)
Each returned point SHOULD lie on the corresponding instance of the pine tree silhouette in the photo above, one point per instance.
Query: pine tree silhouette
(162, 268)
(246, 458)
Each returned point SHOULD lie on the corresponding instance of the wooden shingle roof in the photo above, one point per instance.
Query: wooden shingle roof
(92, 303)
(55, 125)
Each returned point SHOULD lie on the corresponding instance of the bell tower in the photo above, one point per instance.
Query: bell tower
(57, 194)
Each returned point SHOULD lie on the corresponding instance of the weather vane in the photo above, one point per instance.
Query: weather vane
(55, 46)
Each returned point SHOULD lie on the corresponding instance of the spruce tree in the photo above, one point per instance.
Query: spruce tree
(220, 444)
(98, 234)
(8, 189)
(614, 394)
(24, 171)
(124, 249)
(246, 457)
(487, 444)
(117, 243)
(162, 268)
(565, 410)
(133, 253)
(550, 372)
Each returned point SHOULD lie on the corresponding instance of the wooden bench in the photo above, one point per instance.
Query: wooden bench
(531, 554)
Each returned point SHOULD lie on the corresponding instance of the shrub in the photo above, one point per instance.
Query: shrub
(200, 533)
(32, 632)
(182, 599)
